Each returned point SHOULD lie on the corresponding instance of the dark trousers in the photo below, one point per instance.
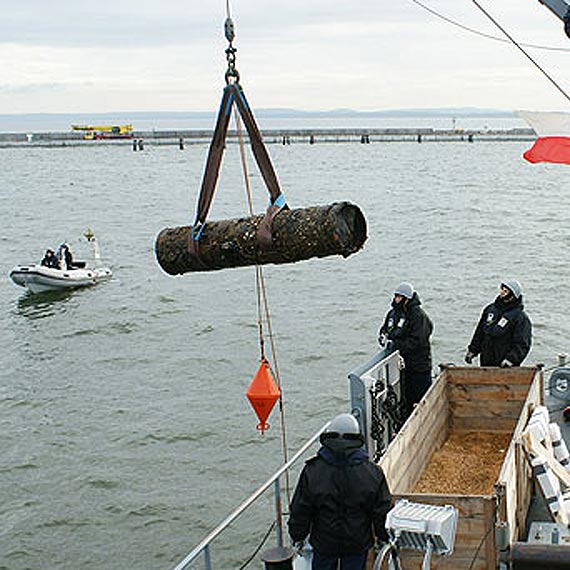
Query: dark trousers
(416, 384)
(340, 562)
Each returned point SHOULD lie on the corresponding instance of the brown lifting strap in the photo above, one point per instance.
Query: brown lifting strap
(233, 92)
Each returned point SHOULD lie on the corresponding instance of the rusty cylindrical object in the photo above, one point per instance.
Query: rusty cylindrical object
(525, 556)
(303, 233)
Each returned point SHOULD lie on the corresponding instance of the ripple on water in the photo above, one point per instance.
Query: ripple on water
(143, 377)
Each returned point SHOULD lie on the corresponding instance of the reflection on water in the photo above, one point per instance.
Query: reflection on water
(42, 305)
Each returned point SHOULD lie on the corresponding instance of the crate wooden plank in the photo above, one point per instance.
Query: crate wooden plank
(510, 392)
(461, 558)
(482, 424)
(490, 375)
(424, 432)
(524, 488)
(516, 474)
(487, 409)
(474, 530)
(425, 445)
(397, 460)
(489, 537)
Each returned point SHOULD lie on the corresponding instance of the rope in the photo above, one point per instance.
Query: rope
(263, 307)
(483, 34)
(263, 541)
(480, 545)
(535, 63)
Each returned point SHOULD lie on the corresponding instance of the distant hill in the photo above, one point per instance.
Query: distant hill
(161, 120)
(438, 112)
(284, 112)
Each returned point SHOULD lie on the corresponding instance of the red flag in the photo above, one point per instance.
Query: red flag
(553, 142)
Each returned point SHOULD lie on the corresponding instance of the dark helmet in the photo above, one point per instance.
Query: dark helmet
(342, 433)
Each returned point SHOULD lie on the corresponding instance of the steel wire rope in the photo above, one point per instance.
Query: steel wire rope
(529, 57)
(483, 34)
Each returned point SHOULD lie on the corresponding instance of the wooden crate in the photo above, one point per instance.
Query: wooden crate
(463, 400)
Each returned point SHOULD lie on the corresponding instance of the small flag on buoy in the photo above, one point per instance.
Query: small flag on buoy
(262, 394)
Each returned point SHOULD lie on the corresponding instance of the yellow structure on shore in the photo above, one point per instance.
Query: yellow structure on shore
(96, 132)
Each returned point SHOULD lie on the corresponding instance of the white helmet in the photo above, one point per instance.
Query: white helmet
(342, 433)
(405, 289)
(514, 287)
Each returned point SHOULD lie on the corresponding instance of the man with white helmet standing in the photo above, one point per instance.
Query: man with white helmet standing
(407, 328)
(503, 335)
(341, 500)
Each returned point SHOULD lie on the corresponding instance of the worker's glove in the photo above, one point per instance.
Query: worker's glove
(382, 339)
(299, 547)
(469, 356)
(506, 364)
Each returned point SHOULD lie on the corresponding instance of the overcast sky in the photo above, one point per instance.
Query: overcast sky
(79, 56)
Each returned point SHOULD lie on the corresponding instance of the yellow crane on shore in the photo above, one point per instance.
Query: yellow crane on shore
(96, 132)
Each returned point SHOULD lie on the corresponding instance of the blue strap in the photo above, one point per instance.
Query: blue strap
(196, 234)
(279, 201)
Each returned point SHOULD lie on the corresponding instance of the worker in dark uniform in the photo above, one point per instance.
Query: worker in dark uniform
(50, 259)
(503, 335)
(65, 256)
(407, 328)
(341, 500)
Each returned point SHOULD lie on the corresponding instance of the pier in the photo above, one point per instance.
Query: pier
(180, 138)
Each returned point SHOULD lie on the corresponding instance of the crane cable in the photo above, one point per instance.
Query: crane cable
(261, 290)
(535, 63)
(263, 307)
(483, 34)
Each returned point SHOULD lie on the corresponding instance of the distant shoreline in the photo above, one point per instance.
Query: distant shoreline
(266, 119)
(274, 136)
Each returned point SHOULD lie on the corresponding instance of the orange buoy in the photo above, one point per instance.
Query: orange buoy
(262, 394)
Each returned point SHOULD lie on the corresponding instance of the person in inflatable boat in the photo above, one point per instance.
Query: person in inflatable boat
(65, 256)
(50, 259)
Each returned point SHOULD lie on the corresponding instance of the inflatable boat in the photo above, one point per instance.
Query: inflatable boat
(38, 278)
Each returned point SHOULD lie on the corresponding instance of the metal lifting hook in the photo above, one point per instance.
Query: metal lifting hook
(232, 72)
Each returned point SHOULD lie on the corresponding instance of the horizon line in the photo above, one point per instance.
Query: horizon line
(476, 111)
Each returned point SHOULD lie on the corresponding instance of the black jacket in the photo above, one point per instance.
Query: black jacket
(504, 332)
(409, 328)
(50, 260)
(338, 500)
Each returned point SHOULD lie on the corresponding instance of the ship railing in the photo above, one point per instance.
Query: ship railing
(203, 548)
(376, 398)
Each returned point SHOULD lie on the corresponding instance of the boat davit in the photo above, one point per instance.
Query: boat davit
(38, 278)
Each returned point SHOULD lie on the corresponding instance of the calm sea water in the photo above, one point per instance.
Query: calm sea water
(126, 434)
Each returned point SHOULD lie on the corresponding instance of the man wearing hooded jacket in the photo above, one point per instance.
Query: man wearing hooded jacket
(503, 335)
(341, 500)
(407, 328)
